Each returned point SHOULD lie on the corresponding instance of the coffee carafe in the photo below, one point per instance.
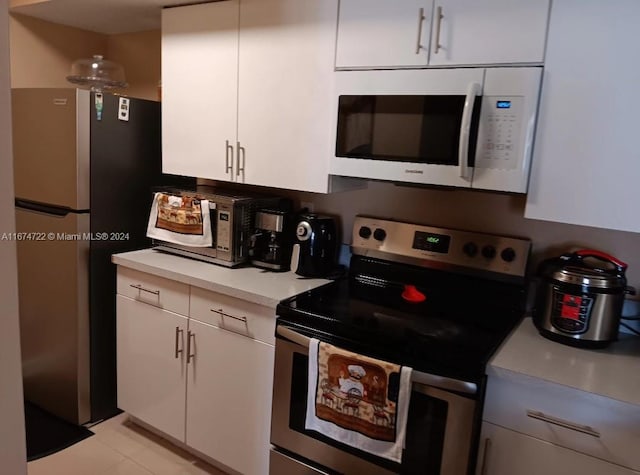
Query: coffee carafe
(270, 245)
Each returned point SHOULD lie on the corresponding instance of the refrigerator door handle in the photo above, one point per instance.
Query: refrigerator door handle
(44, 208)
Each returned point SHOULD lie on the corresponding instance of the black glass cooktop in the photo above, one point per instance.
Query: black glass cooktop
(452, 332)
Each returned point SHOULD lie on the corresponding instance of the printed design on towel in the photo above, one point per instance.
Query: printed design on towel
(353, 392)
(179, 214)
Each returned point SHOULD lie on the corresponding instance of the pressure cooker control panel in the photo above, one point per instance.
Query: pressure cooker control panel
(570, 313)
(426, 245)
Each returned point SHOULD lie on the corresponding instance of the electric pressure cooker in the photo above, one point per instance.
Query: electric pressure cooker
(580, 297)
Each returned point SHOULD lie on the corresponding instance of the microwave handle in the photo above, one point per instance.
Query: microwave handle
(463, 147)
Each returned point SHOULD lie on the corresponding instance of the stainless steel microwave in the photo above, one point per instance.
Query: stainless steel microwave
(466, 127)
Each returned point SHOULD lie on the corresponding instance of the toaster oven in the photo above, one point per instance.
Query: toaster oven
(231, 218)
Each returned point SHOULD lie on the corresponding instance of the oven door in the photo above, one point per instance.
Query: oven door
(439, 434)
(408, 125)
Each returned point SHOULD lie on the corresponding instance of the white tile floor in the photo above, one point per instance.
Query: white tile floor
(120, 447)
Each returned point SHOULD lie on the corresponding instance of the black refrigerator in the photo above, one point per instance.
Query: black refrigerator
(83, 186)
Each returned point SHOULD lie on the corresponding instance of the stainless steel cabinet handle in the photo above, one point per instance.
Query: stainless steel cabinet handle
(190, 355)
(222, 314)
(420, 20)
(178, 334)
(229, 158)
(439, 17)
(562, 423)
(241, 151)
(141, 288)
(485, 454)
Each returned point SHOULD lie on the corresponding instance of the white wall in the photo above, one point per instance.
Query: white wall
(12, 436)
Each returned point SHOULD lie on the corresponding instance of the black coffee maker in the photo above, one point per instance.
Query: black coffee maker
(315, 248)
(271, 243)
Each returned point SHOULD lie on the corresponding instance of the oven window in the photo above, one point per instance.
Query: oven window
(418, 129)
(425, 427)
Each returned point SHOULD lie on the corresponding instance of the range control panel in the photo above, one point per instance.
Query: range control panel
(426, 245)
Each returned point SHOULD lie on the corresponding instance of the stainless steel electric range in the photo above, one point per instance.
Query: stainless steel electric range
(438, 300)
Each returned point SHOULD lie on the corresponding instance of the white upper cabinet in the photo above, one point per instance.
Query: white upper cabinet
(410, 33)
(586, 165)
(247, 91)
(383, 33)
(287, 50)
(199, 84)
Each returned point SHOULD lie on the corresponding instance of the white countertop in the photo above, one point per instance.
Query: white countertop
(246, 283)
(612, 372)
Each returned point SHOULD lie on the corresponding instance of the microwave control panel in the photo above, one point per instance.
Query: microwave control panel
(498, 144)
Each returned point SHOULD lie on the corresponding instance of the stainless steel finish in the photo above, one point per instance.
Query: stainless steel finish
(563, 423)
(230, 236)
(439, 17)
(281, 464)
(55, 349)
(141, 288)
(459, 424)
(190, 347)
(421, 18)
(233, 317)
(240, 319)
(179, 333)
(228, 158)
(269, 221)
(465, 129)
(485, 455)
(303, 231)
(433, 380)
(240, 168)
(47, 175)
(398, 247)
(588, 278)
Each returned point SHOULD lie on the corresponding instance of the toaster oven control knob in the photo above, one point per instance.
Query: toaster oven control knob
(379, 234)
(470, 249)
(489, 251)
(303, 231)
(364, 232)
(508, 254)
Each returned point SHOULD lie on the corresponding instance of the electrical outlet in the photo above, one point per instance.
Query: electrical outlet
(308, 205)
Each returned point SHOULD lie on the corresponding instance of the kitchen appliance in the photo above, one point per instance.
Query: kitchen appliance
(437, 300)
(82, 193)
(466, 127)
(270, 246)
(315, 248)
(580, 297)
(232, 224)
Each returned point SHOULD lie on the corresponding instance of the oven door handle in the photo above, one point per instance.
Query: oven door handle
(433, 380)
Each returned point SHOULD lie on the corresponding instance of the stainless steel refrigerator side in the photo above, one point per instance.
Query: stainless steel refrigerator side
(84, 108)
(54, 312)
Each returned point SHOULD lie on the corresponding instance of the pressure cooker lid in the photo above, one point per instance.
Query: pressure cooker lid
(587, 268)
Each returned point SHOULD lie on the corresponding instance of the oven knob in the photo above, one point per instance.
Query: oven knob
(364, 232)
(489, 252)
(508, 254)
(379, 234)
(470, 249)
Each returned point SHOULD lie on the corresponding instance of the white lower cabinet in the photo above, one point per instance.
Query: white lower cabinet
(151, 364)
(229, 398)
(506, 452)
(207, 384)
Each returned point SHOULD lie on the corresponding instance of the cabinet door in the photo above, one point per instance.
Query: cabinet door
(507, 453)
(151, 364)
(383, 33)
(488, 32)
(285, 101)
(586, 163)
(229, 398)
(199, 89)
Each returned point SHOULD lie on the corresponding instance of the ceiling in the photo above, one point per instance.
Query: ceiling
(102, 16)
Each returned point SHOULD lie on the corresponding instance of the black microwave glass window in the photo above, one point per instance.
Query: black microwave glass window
(404, 128)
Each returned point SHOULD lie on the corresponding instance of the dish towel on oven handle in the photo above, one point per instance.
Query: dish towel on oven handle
(180, 220)
(348, 400)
